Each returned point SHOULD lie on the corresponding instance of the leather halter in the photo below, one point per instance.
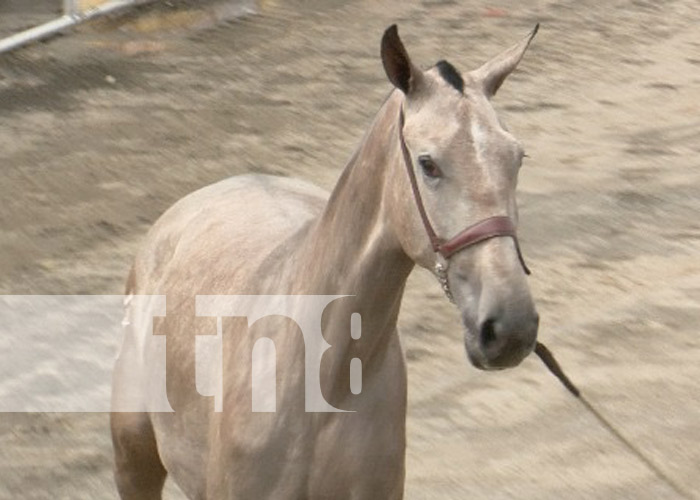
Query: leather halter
(491, 227)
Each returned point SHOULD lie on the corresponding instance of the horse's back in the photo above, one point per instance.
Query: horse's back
(211, 238)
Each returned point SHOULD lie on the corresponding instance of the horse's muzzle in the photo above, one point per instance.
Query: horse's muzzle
(497, 343)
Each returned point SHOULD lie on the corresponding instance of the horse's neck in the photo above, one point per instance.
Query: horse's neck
(352, 248)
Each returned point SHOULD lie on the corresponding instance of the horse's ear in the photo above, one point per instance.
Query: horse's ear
(492, 74)
(397, 64)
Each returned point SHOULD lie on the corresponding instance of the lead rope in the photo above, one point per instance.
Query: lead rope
(542, 352)
(548, 359)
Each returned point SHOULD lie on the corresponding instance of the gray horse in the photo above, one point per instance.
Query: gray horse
(435, 160)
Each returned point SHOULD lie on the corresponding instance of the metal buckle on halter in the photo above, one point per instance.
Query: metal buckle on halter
(441, 274)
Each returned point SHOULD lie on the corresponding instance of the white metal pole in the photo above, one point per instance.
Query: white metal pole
(64, 22)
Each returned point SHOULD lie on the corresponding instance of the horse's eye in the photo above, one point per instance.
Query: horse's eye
(430, 168)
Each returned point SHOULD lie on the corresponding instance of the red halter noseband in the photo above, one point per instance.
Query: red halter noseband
(491, 227)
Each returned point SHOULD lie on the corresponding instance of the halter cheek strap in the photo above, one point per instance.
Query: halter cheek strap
(491, 227)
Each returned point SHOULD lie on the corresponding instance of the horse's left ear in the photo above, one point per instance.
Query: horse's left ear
(492, 74)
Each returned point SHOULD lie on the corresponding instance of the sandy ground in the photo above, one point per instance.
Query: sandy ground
(101, 131)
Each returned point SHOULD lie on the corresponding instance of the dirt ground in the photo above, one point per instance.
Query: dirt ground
(102, 130)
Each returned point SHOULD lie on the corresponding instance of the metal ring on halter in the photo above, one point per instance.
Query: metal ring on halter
(440, 270)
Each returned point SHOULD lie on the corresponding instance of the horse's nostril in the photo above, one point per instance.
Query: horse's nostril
(488, 332)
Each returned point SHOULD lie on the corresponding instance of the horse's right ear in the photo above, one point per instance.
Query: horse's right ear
(397, 64)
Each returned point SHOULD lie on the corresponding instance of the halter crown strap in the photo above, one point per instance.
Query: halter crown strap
(481, 231)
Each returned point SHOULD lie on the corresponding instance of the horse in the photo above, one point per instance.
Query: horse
(436, 159)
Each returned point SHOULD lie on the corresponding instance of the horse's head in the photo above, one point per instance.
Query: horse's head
(464, 165)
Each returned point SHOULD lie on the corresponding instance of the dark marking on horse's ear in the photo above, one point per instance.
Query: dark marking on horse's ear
(395, 60)
(450, 74)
